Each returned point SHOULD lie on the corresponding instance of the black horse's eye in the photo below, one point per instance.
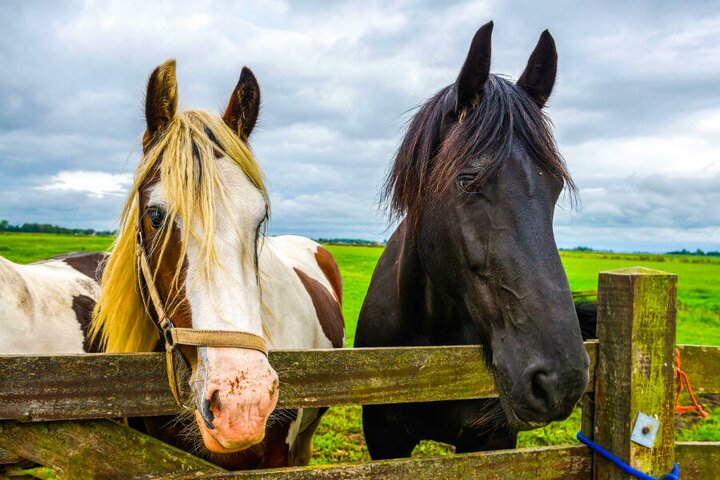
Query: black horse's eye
(467, 183)
(156, 215)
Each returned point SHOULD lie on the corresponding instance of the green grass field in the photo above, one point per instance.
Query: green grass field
(339, 437)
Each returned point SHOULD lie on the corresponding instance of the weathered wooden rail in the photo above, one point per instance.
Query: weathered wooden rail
(74, 387)
(54, 410)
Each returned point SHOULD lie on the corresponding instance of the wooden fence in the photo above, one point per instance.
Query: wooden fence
(55, 410)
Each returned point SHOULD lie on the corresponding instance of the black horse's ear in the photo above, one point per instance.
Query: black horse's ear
(244, 105)
(476, 69)
(161, 99)
(539, 75)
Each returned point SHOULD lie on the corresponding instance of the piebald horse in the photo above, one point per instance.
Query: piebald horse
(46, 306)
(197, 211)
(474, 260)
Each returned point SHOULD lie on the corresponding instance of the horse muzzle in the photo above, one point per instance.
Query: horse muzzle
(541, 376)
(236, 391)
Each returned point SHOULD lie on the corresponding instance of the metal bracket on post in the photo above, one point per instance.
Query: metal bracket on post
(645, 430)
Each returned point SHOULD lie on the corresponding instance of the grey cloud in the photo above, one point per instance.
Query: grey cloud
(653, 201)
(32, 205)
(340, 79)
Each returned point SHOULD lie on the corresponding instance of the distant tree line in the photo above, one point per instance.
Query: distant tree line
(684, 251)
(698, 252)
(5, 226)
(348, 241)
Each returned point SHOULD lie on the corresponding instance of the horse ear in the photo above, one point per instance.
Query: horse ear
(161, 98)
(539, 75)
(244, 105)
(476, 69)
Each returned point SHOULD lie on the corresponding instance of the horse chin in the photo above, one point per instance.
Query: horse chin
(215, 445)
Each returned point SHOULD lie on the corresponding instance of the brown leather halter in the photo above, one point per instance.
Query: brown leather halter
(173, 336)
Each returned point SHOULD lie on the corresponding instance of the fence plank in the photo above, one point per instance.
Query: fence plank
(383, 375)
(546, 463)
(702, 365)
(698, 460)
(587, 402)
(636, 327)
(107, 386)
(83, 386)
(7, 458)
(96, 449)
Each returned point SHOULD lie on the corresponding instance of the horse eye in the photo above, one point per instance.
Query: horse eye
(467, 183)
(156, 216)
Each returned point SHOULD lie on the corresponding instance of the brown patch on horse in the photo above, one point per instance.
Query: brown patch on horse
(301, 451)
(330, 269)
(152, 241)
(326, 308)
(89, 264)
(83, 306)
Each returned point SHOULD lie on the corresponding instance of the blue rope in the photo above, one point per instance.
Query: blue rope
(627, 469)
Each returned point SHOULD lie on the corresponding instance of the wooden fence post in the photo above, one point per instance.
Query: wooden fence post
(635, 376)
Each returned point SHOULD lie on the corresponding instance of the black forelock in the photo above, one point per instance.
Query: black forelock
(426, 166)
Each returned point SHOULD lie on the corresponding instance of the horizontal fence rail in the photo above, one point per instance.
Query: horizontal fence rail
(544, 463)
(125, 385)
(698, 461)
(101, 449)
(107, 386)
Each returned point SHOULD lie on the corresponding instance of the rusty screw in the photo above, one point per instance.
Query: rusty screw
(646, 430)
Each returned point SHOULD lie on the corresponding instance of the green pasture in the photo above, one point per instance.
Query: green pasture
(698, 284)
(30, 247)
(339, 437)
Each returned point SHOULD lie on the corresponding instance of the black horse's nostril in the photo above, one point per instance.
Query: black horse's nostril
(544, 395)
(206, 411)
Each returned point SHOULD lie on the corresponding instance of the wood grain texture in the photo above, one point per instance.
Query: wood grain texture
(110, 386)
(587, 421)
(7, 458)
(84, 387)
(96, 449)
(698, 460)
(587, 402)
(543, 463)
(636, 329)
(702, 365)
(382, 375)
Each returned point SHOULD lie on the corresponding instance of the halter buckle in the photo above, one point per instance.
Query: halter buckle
(169, 337)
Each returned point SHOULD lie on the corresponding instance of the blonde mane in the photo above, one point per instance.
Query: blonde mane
(121, 319)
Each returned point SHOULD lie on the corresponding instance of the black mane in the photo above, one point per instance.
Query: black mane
(424, 168)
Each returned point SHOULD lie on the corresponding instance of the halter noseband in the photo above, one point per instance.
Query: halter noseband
(173, 336)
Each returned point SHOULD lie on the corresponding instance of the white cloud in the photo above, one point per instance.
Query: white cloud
(95, 184)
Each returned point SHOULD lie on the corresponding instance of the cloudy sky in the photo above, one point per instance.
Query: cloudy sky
(636, 106)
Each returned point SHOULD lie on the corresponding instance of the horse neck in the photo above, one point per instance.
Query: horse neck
(412, 283)
(432, 314)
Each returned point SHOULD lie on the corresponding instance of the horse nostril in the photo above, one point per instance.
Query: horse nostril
(206, 409)
(544, 394)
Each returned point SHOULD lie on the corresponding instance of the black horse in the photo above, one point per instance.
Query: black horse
(474, 259)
